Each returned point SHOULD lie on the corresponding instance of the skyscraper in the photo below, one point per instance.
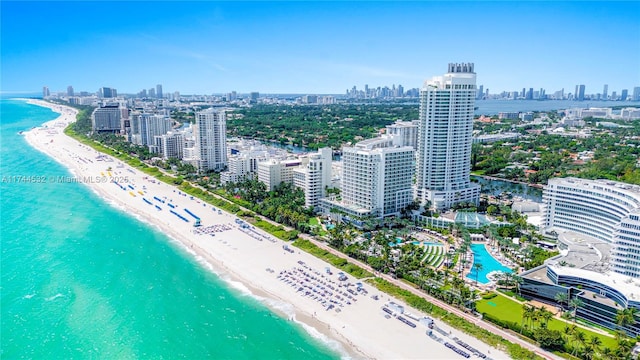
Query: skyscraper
(624, 94)
(580, 93)
(636, 94)
(69, 90)
(605, 91)
(159, 91)
(445, 137)
(106, 118)
(210, 131)
(105, 92)
(45, 91)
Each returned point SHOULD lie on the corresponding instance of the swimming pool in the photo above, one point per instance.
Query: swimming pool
(489, 264)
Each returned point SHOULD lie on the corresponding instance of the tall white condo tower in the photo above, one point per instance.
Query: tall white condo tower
(445, 137)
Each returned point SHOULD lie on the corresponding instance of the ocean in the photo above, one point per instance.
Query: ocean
(82, 279)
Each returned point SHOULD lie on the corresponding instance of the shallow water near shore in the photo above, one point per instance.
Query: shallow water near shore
(82, 279)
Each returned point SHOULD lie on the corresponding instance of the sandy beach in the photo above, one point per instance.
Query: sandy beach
(292, 283)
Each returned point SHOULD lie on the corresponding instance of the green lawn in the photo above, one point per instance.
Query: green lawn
(313, 221)
(506, 309)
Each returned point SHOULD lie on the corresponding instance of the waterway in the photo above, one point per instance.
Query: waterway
(493, 107)
(498, 187)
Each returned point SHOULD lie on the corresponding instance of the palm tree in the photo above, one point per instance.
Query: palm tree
(575, 303)
(606, 353)
(626, 317)
(579, 339)
(517, 281)
(527, 314)
(595, 342)
(561, 297)
(588, 352)
(568, 332)
(545, 315)
(477, 267)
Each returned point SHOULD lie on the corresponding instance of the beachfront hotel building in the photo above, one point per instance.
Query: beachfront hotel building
(315, 176)
(602, 209)
(445, 137)
(106, 118)
(377, 176)
(273, 172)
(242, 166)
(210, 133)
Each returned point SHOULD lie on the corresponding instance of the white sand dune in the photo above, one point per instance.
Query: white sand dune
(359, 330)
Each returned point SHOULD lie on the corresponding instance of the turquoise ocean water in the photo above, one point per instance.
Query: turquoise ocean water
(81, 279)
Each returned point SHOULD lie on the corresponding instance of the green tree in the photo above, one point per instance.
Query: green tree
(549, 339)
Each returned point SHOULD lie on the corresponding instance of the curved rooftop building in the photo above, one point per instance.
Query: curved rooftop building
(603, 209)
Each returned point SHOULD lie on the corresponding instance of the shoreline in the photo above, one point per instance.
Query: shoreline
(360, 327)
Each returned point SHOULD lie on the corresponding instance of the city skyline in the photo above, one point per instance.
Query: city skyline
(316, 47)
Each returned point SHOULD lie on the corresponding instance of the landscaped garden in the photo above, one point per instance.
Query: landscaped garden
(510, 313)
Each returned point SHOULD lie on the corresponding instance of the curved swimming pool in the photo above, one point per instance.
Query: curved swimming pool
(489, 264)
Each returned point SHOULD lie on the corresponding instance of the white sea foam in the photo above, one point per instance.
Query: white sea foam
(58, 295)
(331, 343)
(240, 286)
(28, 296)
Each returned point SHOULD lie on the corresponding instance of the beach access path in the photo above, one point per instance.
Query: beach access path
(250, 259)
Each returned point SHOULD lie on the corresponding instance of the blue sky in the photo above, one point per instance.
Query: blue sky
(316, 47)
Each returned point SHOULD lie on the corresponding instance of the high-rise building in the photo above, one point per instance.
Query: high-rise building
(253, 97)
(170, 145)
(275, 172)
(602, 209)
(407, 131)
(314, 176)
(106, 118)
(624, 94)
(70, 90)
(605, 90)
(45, 92)
(106, 92)
(152, 125)
(377, 176)
(636, 94)
(480, 93)
(529, 94)
(210, 132)
(152, 93)
(580, 93)
(159, 91)
(445, 138)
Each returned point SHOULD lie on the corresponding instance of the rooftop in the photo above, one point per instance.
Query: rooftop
(626, 285)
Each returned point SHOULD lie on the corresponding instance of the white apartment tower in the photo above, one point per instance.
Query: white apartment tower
(152, 125)
(274, 172)
(210, 133)
(445, 137)
(407, 131)
(170, 145)
(315, 176)
(377, 177)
